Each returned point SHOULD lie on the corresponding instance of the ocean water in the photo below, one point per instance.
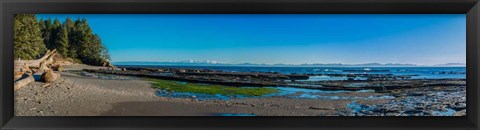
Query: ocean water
(419, 72)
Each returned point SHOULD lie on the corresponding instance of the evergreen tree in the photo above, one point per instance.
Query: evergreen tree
(69, 24)
(95, 48)
(88, 44)
(47, 32)
(76, 39)
(105, 55)
(72, 39)
(28, 42)
(62, 41)
(42, 26)
(55, 28)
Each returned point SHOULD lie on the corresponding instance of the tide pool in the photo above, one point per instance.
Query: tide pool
(289, 92)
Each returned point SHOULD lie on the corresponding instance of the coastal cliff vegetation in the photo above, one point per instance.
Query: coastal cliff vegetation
(73, 39)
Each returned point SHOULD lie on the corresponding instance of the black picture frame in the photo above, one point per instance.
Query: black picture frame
(468, 7)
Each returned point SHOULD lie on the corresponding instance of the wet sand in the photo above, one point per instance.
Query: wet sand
(258, 107)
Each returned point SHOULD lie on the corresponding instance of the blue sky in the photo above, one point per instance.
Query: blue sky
(281, 38)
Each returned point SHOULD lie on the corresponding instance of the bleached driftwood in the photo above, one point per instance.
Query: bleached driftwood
(48, 76)
(24, 70)
(22, 82)
(24, 66)
(45, 65)
(19, 72)
(48, 58)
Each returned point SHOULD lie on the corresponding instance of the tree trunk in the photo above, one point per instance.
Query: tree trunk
(23, 66)
(48, 57)
(22, 82)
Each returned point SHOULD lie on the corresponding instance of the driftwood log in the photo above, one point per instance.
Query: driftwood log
(49, 76)
(40, 65)
(48, 58)
(22, 82)
(25, 70)
(21, 70)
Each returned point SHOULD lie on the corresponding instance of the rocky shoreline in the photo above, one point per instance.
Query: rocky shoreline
(426, 101)
(80, 92)
(377, 82)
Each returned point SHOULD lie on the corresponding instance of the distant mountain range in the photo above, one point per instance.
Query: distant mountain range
(452, 64)
(216, 63)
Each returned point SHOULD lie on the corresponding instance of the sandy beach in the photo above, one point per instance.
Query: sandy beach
(76, 95)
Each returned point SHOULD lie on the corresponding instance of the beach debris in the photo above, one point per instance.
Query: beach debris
(60, 61)
(107, 64)
(49, 76)
(46, 59)
(320, 108)
(28, 71)
(27, 79)
(38, 76)
(58, 68)
(21, 71)
(45, 85)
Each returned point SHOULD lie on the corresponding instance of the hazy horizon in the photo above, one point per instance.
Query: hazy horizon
(281, 39)
(191, 62)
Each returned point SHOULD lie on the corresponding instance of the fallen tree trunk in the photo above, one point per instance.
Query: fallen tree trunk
(22, 82)
(36, 63)
(25, 71)
(44, 65)
(25, 66)
(19, 72)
